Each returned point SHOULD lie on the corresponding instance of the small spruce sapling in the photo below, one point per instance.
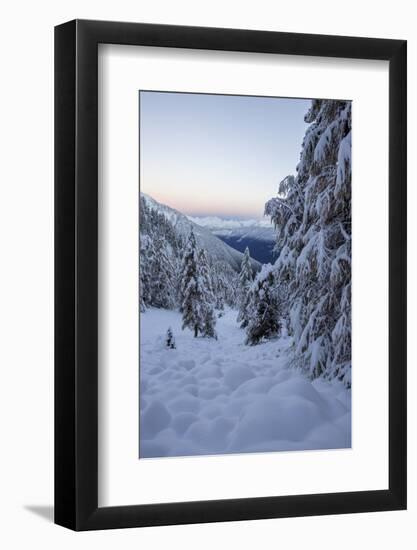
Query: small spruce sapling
(170, 340)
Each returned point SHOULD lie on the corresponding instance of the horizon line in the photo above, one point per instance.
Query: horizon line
(205, 214)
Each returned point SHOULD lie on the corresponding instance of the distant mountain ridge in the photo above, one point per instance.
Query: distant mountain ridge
(214, 245)
(258, 235)
(216, 222)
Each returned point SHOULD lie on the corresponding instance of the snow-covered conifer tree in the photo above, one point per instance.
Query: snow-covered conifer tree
(243, 295)
(220, 304)
(163, 276)
(159, 259)
(142, 306)
(191, 289)
(264, 311)
(207, 308)
(312, 215)
(204, 271)
(218, 286)
(147, 253)
(209, 322)
(225, 283)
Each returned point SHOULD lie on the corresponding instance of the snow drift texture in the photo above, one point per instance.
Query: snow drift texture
(220, 396)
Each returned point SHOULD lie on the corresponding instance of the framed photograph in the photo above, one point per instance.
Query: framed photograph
(230, 254)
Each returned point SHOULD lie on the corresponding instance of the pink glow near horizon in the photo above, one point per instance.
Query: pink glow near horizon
(203, 205)
(218, 155)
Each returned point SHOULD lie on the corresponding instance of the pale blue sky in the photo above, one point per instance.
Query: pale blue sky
(217, 154)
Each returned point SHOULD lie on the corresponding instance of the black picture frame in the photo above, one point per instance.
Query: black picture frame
(76, 272)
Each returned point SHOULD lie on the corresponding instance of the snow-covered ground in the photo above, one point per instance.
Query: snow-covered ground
(210, 397)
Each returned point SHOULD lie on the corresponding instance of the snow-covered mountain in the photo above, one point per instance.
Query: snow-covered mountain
(257, 234)
(214, 246)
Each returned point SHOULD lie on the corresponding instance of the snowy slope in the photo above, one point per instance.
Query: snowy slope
(219, 396)
(256, 234)
(215, 247)
(261, 229)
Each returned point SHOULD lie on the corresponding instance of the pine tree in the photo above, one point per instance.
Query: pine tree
(219, 287)
(220, 304)
(312, 215)
(209, 319)
(147, 253)
(162, 246)
(191, 289)
(263, 306)
(204, 271)
(245, 281)
(209, 322)
(159, 259)
(162, 276)
(231, 286)
(142, 306)
(225, 282)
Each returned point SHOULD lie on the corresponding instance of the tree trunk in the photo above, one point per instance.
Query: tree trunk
(195, 332)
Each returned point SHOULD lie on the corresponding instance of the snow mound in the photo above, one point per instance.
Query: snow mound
(154, 419)
(235, 376)
(274, 419)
